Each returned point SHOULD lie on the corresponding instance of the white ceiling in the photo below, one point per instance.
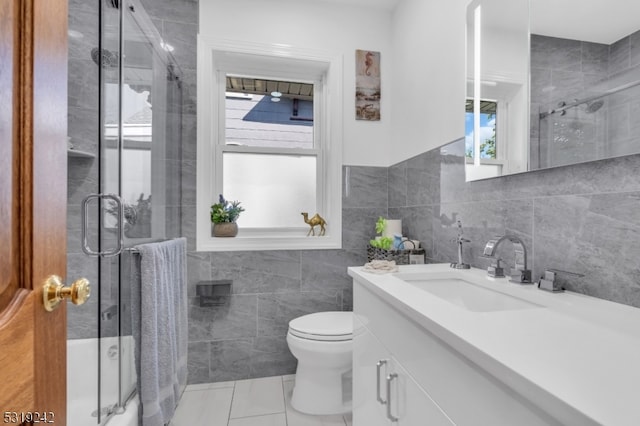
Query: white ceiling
(384, 4)
(598, 21)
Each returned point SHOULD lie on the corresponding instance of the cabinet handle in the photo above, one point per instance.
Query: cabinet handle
(390, 378)
(378, 367)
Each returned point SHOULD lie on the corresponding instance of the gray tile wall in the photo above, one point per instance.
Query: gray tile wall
(246, 337)
(583, 218)
(83, 122)
(83, 175)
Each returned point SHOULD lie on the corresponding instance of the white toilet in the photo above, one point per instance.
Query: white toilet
(323, 344)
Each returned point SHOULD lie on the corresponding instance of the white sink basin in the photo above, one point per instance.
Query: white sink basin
(455, 289)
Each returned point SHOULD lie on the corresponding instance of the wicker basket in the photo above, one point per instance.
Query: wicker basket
(400, 256)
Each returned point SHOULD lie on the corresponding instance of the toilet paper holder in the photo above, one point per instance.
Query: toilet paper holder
(213, 292)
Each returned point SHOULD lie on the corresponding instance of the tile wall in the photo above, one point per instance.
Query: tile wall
(83, 121)
(583, 218)
(246, 338)
(84, 134)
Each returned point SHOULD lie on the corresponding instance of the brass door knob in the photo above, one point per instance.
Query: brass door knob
(54, 292)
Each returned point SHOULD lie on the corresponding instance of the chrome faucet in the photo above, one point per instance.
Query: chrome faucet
(459, 240)
(519, 274)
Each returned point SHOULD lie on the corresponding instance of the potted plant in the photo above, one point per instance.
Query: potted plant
(223, 216)
(381, 242)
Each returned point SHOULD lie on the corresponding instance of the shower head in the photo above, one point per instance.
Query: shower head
(594, 106)
(107, 58)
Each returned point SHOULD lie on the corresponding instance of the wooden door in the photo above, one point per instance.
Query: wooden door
(33, 194)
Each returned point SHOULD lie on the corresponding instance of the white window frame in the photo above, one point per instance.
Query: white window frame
(216, 59)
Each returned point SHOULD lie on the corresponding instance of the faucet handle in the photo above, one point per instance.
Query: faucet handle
(459, 238)
(496, 270)
(548, 281)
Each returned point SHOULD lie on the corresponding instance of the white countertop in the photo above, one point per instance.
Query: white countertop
(573, 351)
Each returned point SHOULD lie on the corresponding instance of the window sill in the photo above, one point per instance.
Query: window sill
(268, 242)
(486, 161)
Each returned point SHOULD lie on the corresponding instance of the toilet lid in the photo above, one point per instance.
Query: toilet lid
(327, 326)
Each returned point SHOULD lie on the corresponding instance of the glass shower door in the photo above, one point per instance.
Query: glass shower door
(108, 292)
(141, 127)
(150, 158)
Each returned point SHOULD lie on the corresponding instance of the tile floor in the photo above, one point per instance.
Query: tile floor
(255, 402)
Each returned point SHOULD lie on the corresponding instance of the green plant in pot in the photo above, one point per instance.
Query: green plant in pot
(380, 241)
(223, 216)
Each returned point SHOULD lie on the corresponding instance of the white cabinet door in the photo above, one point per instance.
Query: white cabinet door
(409, 403)
(367, 352)
(378, 376)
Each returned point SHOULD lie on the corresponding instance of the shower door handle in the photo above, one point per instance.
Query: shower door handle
(85, 223)
(120, 225)
(119, 213)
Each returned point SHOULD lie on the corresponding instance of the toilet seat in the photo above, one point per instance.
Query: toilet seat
(323, 326)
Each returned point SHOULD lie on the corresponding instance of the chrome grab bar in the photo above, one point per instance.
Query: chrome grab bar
(378, 367)
(86, 248)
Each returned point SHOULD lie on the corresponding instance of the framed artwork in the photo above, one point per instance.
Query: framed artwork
(367, 85)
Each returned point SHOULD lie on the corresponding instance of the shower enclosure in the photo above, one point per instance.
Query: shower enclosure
(585, 100)
(125, 126)
(590, 128)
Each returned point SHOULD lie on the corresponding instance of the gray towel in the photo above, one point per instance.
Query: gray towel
(160, 328)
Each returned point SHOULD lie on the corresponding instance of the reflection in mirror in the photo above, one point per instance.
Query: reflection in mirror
(497, 88)
(585, 82)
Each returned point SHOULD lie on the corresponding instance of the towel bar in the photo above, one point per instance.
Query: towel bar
(135, 250)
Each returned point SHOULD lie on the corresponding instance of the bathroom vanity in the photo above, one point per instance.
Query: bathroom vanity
(439, 346)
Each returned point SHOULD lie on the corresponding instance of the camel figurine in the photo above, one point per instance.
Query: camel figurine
(313, 222)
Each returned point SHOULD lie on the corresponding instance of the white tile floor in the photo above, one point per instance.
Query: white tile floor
(255, 402)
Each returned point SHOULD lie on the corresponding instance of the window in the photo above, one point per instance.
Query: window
(488, 126)
(269, 135)
(270, 154)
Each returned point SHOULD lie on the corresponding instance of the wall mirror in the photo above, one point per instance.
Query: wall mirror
(554, 84)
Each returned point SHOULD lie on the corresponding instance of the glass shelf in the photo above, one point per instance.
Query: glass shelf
(80, 154)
